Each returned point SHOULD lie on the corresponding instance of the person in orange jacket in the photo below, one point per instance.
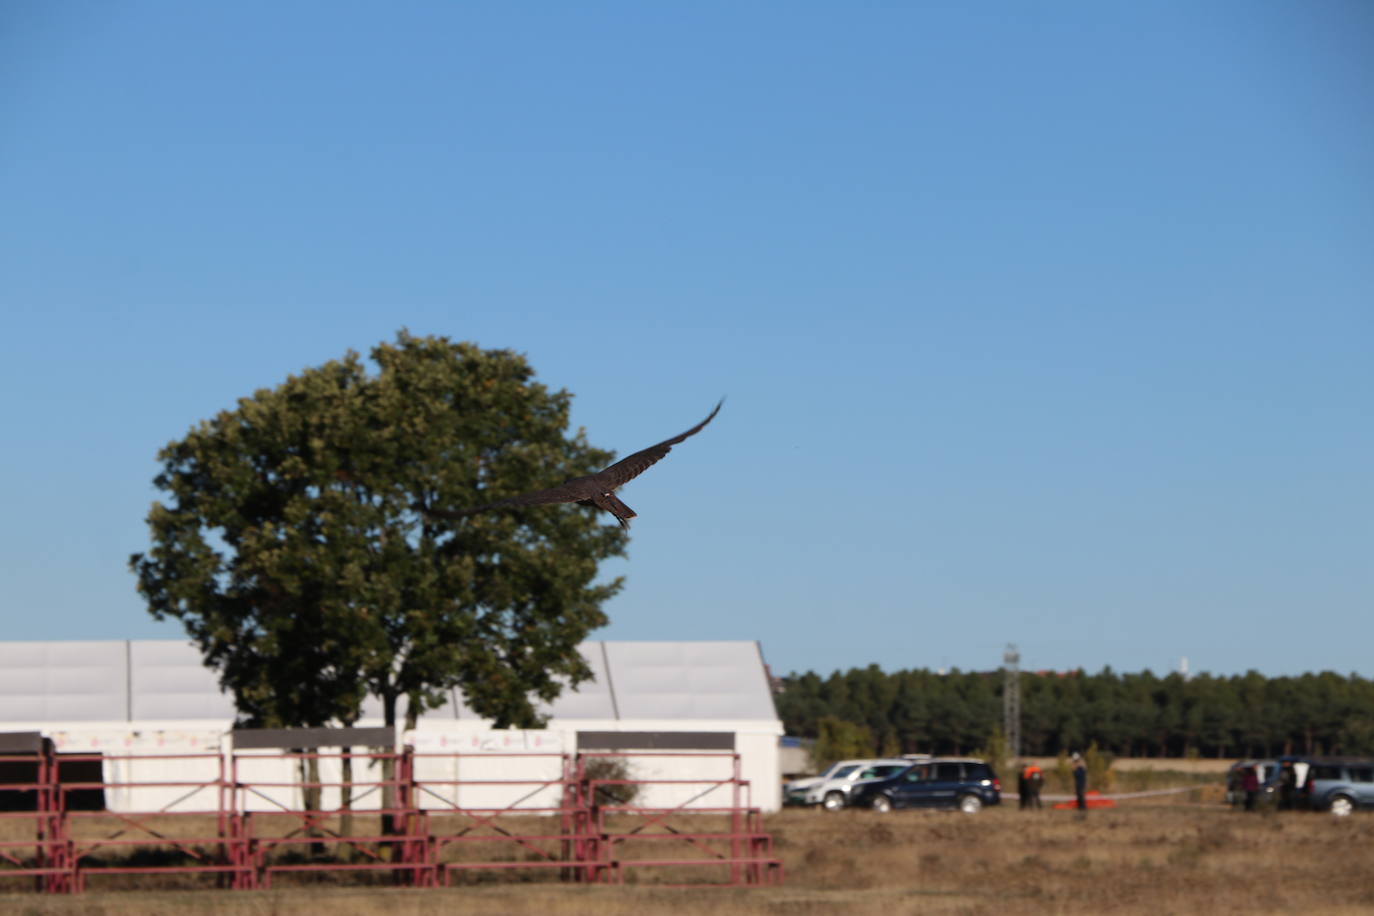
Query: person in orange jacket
(1028, 785)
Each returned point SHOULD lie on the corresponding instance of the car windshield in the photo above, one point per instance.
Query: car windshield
(842, 772)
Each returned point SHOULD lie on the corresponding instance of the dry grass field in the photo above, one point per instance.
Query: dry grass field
(1148, 858)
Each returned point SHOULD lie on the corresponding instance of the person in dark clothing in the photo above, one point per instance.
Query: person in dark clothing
(1250, 782)
(1288, 785)
(1080, 781)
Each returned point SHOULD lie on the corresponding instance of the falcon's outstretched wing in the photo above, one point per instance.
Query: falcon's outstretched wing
(630, 467)
(594, 489)
(564, 493)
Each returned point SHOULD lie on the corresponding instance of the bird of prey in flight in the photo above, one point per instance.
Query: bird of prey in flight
(594, 489)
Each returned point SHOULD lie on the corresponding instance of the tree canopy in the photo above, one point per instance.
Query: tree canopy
(1126, 714)
(291, 549)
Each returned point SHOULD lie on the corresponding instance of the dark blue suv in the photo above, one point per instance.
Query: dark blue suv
(943, 782)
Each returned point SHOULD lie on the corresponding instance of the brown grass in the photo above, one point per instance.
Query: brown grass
(1140, 859)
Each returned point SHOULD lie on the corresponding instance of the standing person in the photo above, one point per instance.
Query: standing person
(1250, 782)
(1030, 781)
(1288, 785)
(1080, 780)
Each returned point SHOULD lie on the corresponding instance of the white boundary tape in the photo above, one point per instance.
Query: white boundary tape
(1118, 796)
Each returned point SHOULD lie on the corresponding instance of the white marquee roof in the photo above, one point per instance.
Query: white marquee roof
(148, 680)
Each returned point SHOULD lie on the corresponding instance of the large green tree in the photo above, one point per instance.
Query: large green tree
(290, 547)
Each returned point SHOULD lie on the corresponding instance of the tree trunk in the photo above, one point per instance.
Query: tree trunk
(389, 823)
(309, 770)
(346, 796)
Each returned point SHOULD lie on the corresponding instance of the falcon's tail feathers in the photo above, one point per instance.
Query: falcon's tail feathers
(612, 504)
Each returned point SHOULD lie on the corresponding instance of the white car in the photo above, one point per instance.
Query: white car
(832, 791)
(795, 792)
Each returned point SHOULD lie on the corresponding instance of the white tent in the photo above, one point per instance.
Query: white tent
(155, 697)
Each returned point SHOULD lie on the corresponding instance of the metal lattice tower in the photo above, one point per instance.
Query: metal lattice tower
(1011, 700)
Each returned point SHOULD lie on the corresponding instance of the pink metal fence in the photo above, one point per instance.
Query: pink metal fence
(31, 841)
(421, 826)
(732, 847)
(283, 837)
(163, 840)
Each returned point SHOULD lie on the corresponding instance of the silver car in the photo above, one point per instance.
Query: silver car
(796, 791)
(832, 792)
(1340, 784)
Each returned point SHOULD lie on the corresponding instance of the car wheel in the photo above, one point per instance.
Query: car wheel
(882, 804)
(834, 801)
(970, 804)
(1341, 805)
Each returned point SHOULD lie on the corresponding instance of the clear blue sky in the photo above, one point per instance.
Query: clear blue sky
(1041, 323)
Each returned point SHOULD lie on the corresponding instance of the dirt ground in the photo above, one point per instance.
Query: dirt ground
(1148, 858)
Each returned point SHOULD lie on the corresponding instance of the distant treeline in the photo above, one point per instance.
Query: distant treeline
(1125, 714)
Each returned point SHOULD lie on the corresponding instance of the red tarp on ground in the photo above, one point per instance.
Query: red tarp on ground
(1094, 800)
